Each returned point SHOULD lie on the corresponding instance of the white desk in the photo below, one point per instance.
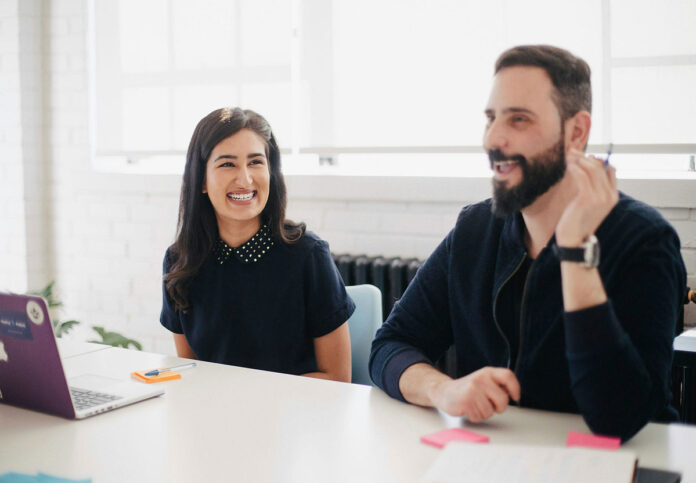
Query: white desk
(68, 348)
(222, 423)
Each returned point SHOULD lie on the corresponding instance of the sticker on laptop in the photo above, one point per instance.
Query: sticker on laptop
(15, 324)
(3, 354)
(35, 313)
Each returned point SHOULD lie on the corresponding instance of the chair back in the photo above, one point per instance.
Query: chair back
(363, 325)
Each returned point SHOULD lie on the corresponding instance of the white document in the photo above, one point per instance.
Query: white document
(489, 463)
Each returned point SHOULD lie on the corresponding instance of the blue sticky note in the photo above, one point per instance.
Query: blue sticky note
(17, 478)
(40, 478)
(44, 478)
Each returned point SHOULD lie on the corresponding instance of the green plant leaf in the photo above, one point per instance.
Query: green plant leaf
(62, 328)
(115, 339)
(47, 294)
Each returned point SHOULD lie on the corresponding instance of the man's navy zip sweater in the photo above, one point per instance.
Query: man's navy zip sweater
(611, 362)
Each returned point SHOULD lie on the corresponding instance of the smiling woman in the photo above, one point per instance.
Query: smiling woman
(243, 285)
(237, 180)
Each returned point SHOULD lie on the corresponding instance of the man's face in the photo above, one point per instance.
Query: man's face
(524, 138)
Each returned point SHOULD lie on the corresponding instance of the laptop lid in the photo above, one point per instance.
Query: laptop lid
(31, 371)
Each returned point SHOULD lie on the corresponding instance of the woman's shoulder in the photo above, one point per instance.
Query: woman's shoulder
(308, 243)
(169, 258)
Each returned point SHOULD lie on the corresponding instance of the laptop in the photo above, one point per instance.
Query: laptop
(31, 371)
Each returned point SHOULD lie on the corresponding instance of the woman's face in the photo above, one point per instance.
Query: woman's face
(237, 180)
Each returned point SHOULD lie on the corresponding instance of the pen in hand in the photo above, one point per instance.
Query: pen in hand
(606, 160)
(156, 372)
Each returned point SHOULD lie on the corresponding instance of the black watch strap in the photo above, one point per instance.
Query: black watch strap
(569, 254)
(587, 254)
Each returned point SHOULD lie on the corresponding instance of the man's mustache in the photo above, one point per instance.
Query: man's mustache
(497, 155)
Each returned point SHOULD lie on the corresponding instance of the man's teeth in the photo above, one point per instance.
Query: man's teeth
(241, 197)
(503, 167)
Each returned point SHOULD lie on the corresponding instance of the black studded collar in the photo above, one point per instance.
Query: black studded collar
(250, 251)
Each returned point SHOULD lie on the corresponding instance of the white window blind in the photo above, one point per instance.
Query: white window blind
(381, 85)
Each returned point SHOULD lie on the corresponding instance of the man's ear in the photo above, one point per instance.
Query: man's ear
(577, 130)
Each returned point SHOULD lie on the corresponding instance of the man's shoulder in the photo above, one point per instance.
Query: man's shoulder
(633, 223)
(630, 212)
(479, 218)
(480, 212)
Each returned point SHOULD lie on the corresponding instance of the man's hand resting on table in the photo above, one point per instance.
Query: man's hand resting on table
(477, 396)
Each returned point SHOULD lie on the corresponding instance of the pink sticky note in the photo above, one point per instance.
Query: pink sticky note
(441, 438)
(592, 441)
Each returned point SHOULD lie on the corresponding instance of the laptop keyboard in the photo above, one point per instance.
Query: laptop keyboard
(84, 399)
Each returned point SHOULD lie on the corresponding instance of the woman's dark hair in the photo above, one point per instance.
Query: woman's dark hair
(197, 229)
(570, 75)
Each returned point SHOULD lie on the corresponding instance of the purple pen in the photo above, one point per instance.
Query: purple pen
(606, 160)
(156, 372)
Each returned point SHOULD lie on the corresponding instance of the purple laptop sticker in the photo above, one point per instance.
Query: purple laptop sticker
(15, 324)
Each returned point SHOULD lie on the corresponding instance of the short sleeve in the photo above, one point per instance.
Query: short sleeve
(326, 301)
(169, 317)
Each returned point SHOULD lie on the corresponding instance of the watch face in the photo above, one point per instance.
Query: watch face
(591, 247)
(587, 254)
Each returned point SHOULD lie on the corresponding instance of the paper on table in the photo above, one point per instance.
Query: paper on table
(492, 463)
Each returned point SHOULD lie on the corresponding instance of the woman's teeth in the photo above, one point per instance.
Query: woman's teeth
(241, 197)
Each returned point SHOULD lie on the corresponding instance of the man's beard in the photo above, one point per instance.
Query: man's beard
(544, 171)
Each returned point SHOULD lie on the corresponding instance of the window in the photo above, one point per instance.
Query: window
(161, 65)
(372, 85)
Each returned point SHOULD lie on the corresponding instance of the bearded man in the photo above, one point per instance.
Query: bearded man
(536, 315)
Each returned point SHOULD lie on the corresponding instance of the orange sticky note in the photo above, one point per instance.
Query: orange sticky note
(161, 377)
(441, 438)
(592, 441)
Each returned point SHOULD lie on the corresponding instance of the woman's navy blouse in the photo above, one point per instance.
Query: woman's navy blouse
(262, 311)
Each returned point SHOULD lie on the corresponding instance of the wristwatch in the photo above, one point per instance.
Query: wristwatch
(587, 254)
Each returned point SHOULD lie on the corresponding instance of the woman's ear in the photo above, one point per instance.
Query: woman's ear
(577, 130)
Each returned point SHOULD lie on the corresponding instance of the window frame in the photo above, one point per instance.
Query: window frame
(146, 161)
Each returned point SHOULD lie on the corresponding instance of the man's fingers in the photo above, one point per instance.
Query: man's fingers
(473, 413)
(481, 394)
(507, 379)
(499, 399)
(497, 394)
(484, 407)
(582, 180)
(574, 155)
(596, 171)
(612, 177)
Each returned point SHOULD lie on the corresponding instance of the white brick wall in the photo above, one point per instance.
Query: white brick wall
(38, 229)
(13, 249)
(107, 233)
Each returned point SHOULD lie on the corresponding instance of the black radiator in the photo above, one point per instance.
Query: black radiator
(390, 275)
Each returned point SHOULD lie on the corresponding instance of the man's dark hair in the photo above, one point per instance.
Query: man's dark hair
(569, 74)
